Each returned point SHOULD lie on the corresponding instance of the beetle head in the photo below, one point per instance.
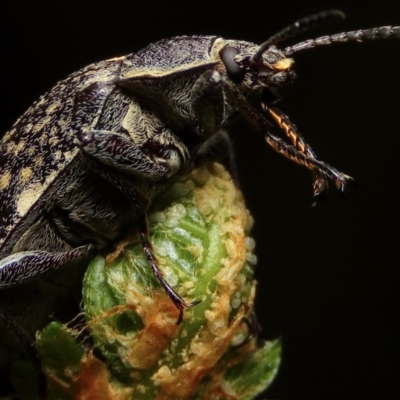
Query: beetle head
(265, 66)
(253, 70)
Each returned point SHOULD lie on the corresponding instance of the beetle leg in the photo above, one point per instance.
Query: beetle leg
(281, 146)
(148, 250)
(207, 98)
(120, 153)
(123, 164)
(253, 328)
(320, 180)
(311, 163)
(20, 267)
(140, 202)
(219, 148)
(107, 149)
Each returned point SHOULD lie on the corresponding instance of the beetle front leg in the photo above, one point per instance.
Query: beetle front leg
(207, 98)
(320, 180)
(339, 178)
(123, 164)
(25, 265)
(305, 158)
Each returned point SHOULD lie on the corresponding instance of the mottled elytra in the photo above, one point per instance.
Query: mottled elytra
(81, 167)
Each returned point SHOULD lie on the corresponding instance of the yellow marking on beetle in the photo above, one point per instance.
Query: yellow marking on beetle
(57, 155)
(290, 132)
(68, 155)
(53, 139)
(11, 148)
(284, 64)
(28, 197)
(20, 146)
(5, 180)
(28, 127)
(150, 73)
(54, 106)
(10, 133)
(15, 148)
(40, 124)
(39, 161)
(25, 175)
(43, 139)
(121, 58)
(31, 150)
(31, 194)
(63, 125)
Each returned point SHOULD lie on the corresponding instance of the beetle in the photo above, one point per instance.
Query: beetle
(81, 167)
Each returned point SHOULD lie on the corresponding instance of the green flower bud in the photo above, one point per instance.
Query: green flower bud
(200, 233)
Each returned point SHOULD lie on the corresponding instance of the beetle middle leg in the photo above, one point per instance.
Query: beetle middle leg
(120, 162)
(151, 258)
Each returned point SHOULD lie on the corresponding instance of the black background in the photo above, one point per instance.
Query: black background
(328, 280)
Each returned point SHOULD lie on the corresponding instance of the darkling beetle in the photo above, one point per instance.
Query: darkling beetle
(81, 167)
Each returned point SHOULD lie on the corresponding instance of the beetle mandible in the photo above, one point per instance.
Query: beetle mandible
(81, 167)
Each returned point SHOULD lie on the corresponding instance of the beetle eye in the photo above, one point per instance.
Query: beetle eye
(235, 73)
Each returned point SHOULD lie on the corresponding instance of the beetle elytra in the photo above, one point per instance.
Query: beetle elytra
(81, 167)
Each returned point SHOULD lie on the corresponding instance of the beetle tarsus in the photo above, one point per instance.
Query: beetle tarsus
(323, 169)
(320, 182)
(253, 327)
(320, 185)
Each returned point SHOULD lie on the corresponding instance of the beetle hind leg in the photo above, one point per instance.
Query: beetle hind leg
(179, 303)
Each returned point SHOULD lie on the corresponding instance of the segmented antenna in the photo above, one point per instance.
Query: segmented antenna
(383, 32)
(298, 27)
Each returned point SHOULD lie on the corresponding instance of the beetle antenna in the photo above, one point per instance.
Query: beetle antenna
(300, 26)
(383, 32)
